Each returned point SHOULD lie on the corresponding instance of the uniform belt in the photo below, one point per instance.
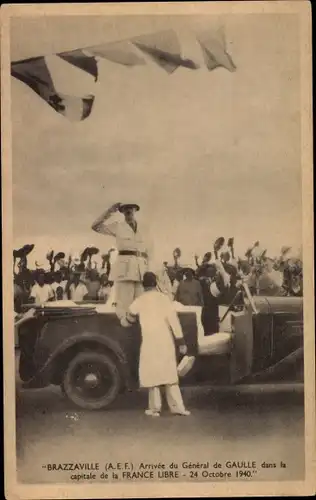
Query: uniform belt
(131, 252)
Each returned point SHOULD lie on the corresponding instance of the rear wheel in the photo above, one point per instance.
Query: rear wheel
(92, 380)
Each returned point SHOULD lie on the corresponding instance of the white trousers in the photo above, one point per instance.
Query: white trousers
(125, 294)
(173, 396)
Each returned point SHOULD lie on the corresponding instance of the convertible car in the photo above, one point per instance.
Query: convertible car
(83, 348)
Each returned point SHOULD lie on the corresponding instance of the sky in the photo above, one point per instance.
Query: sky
(204, 154)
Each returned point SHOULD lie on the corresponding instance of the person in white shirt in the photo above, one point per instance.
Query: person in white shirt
(41, 292)
(57, 284)
(105, 288)
(160, 329)
(77, 290)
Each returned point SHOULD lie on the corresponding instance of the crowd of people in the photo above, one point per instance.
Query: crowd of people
(82, 280)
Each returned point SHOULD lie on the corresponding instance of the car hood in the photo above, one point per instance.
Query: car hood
(270, 305)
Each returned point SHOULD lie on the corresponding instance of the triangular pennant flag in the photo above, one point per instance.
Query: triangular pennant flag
(118, 52)
(166, 41)
(164, 59)
(214, 52)
(164, 48)
(169, 62)
(34, 73)
(81, 60)
(72, 107)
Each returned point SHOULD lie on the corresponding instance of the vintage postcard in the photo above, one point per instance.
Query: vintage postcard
(158, 250)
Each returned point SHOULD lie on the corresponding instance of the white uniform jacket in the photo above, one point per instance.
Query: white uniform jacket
(129, 267)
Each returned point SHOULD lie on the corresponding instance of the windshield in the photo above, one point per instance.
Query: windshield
(248, 299)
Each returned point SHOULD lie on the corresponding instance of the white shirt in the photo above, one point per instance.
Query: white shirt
(41, 294)
(77, 293)
(62, 284)
(129, 267)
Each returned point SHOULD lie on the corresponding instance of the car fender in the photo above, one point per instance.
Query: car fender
(289, 369)
(54, 366)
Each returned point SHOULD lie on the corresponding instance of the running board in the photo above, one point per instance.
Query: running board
(279, 369)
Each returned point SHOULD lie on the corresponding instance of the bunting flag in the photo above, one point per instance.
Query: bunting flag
(34, 73)
(164, 48)
(214, 51)
(119, 52)
(81, 60)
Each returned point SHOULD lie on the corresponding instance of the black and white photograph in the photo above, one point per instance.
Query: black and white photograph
(158, 249)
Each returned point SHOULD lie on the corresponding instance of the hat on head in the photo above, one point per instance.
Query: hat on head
(186, 269)
(149, 280)
(39, 272)
(177, 252)
(128, 205)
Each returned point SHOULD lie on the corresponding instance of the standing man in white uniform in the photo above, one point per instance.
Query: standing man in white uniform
(134, 253)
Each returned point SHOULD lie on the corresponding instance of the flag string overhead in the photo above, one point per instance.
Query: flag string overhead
(163, 48)
(81, 60)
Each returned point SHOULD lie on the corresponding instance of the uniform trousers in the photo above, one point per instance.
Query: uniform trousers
(173, 396)
(125, 293)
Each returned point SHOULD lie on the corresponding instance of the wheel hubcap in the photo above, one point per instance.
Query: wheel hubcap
(92, 380)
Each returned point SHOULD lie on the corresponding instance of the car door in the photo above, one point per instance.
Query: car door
(189, 325)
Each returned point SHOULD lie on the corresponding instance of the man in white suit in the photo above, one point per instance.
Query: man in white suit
(134, 253)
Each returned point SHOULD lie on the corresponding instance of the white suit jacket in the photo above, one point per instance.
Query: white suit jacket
(129, 267)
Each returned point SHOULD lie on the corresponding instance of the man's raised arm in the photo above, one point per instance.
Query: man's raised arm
(99, 224)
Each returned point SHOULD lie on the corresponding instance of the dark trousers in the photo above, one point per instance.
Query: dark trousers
(210, 319)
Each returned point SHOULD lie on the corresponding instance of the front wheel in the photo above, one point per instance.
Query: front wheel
(92, 380)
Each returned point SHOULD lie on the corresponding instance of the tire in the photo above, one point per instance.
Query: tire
(92, 380)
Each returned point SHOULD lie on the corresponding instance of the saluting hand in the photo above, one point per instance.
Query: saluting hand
(115, 207)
